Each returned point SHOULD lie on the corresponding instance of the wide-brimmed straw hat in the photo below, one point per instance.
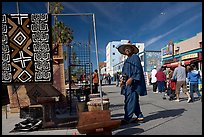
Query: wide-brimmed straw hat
(121, 48)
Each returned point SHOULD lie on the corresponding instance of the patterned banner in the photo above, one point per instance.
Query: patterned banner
(26, 48)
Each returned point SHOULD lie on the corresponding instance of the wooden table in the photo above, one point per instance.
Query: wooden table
(97, 123)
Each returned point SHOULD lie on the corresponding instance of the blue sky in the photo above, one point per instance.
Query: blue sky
(152, 23)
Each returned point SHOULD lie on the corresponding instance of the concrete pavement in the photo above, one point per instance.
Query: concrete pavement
(162, 117)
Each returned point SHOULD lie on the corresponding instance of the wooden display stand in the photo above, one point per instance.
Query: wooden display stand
(48, 105)
(96, 123)
(24, 95)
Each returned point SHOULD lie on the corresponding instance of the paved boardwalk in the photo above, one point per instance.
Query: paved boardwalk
(162, 117)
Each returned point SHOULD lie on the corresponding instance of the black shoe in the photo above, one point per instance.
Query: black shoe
(191, 101)
(170, 99)
(164, 98)
(200, 98)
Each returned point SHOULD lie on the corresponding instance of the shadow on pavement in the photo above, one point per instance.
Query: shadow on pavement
(130, 131)
(129, 128)
(117, 115)
(164, 114)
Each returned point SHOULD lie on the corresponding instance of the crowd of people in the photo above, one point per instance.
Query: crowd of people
(167, 81)
(171, 81)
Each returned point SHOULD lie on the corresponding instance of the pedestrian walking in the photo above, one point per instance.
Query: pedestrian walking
(180, 74)
(109, 79)
(171, 87)
(193, 77)
(132, 83)
(95, 81)
(154, 79)
(117, 79)
(166, 72)
(101, 79)
(161, 78)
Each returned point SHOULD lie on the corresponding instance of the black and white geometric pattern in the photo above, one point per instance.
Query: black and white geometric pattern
(26, 48)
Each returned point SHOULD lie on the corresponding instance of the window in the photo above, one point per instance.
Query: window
(200, 44)
(176, 52)
(113, 46)
(113, 53)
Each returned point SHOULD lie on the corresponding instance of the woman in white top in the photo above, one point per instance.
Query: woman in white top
(154, 79)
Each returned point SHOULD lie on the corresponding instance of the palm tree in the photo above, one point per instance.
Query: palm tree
(56, 7)
(61, 33)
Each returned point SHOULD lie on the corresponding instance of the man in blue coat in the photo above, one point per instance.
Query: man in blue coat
(133, 82)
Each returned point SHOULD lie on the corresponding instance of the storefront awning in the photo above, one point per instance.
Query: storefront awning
(175, 64)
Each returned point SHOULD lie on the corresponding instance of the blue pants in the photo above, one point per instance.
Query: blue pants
(161, 86)
(194, 87)
(132, 105)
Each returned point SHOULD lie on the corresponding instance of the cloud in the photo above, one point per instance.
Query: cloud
(108, 10)
(171, 12)
(70, 7)
(155, 39)
(74, 9)
(111, 17)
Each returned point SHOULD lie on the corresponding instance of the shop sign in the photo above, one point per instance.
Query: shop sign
(167, 51)
(171, 60)
(189, 56)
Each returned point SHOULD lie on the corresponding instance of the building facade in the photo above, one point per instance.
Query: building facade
(112, 56)
(148, 59)
(188, 51)
(151, 58)
(118, 66)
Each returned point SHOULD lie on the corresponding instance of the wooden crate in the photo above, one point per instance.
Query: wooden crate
(97, 122)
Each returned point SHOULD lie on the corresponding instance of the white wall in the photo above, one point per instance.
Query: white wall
(112, 56)
(123, 57)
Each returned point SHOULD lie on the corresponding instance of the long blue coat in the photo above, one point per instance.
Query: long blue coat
(132, 68)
